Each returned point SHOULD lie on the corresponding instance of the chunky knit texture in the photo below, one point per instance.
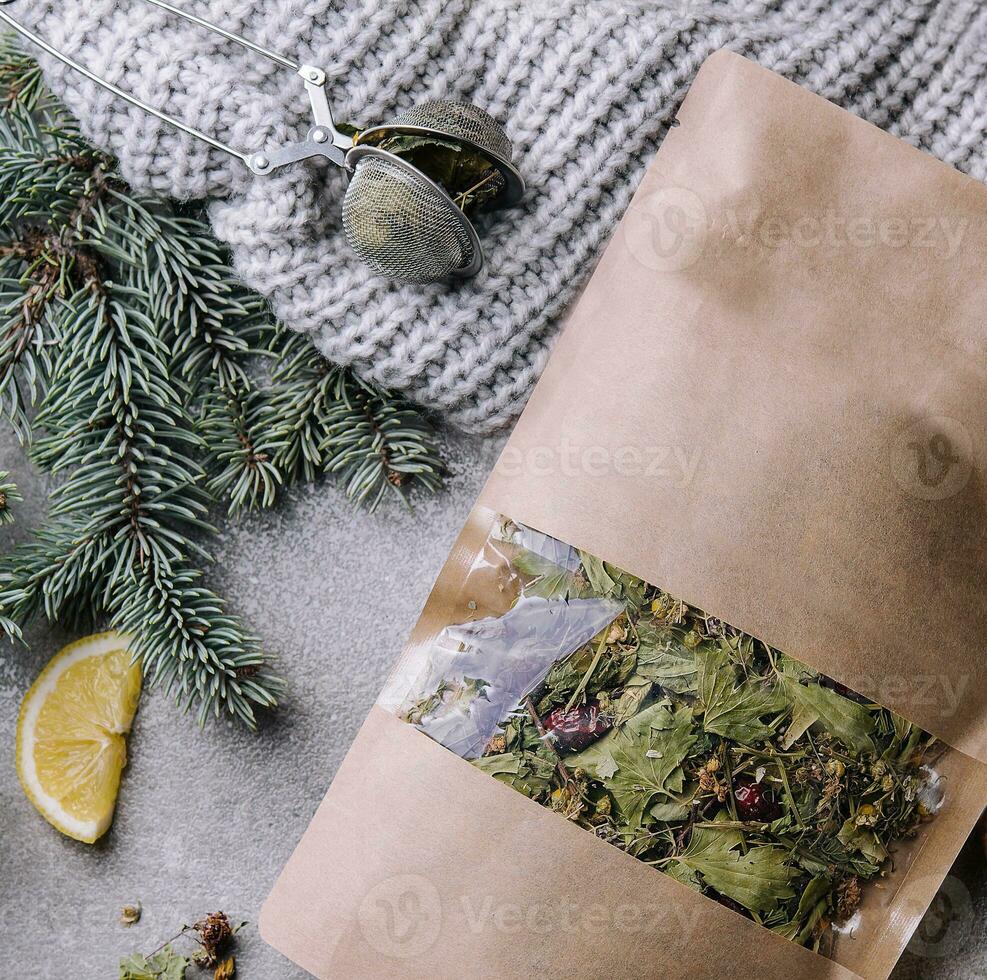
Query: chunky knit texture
(586, 89)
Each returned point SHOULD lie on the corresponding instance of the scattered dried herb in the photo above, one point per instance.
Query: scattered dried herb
(213, 935)
(706, 753)
(130, 914)
(465, 174)
(214, 932)
(225, 970)
(164, 964)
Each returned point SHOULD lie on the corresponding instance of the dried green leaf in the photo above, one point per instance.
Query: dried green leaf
(669, 662)
(596, 573)
(495, 765)
(864, 841)
(851, 723)
(684, 874)
(629, 703)
(758, 880)
(644, 766)
(670, 812)
(730, 709)
(165, 964)
(547, 579)
(803, 718)
(813, 904)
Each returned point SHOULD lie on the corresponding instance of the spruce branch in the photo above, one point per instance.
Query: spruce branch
(190, 645)
(302, 399)
(376, 442)
(236, 427)
(87, 327)
(9, 495)
(21, 82)
(56, 574)
(24, 327)
(138, 369)
(329, 421)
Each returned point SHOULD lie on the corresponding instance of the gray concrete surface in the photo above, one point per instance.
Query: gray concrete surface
(206, 819)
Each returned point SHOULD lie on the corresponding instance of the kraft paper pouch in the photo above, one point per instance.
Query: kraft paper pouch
(771, 403)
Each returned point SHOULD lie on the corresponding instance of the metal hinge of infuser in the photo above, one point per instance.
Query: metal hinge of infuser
(323, 139)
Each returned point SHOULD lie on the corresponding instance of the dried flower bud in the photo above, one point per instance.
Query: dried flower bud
(214, 932)
(498, 744)
(848, 897)
(225, 970)
(130, 914)
(568, 801)
(867, 816)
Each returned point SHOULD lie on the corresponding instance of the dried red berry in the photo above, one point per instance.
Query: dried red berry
(578, 728)
(728, 903)
(754, 801)
(844, 691)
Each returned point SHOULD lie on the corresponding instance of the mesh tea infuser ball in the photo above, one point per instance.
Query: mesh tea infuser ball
(397, 221)
(413, 181)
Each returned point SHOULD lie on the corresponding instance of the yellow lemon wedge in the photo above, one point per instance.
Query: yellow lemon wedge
(71, 734)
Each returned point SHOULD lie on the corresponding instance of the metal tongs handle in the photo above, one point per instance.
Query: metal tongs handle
(323, 140)
(216, 29)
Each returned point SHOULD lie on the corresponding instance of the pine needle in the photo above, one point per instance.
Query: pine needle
(137, 367)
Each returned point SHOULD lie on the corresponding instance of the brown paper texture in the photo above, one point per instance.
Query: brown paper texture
(416, 863)
(470, 879)
(780, 414)
(774, 412)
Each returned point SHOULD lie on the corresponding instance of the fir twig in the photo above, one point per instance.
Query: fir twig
(375, 442)
(9, 495)
(21, 82)
(95, 295)
(329, 421)
(133, 363)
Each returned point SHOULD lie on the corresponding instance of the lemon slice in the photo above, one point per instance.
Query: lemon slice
(71, 734)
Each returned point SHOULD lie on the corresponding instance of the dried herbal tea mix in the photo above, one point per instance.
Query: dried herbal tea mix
(693, 746)
(213, 936)
(465, 174)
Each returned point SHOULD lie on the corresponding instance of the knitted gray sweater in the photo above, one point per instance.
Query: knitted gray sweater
(586, 89)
